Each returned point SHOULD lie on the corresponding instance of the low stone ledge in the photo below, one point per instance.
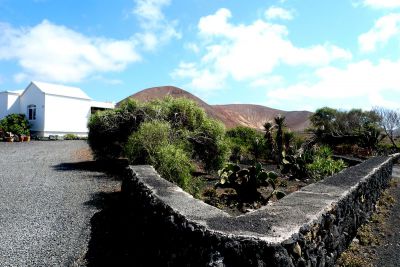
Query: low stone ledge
(350, 161)
(310, 227)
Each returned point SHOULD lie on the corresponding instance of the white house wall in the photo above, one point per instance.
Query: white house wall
(9, 103)
(13, 104)
(3, 105)
(56, 114)
(33, 96)
(66, 115)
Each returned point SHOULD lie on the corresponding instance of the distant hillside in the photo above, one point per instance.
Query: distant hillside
(160, 92)
(253, 116)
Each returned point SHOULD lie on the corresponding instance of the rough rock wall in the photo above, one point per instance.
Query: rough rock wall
(310, 227)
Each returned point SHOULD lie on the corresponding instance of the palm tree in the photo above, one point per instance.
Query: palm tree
(280, 124)
(288, 138)
(269, 141)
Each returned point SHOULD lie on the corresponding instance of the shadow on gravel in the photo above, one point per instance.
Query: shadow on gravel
(111, 167)
(110, 243)
(112, 228)
(121, 232)
(118, 235)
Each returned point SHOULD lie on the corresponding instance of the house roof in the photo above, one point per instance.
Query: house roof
(61, 90)
(15, 92)
(97, 104)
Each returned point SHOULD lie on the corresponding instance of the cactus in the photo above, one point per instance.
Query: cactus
(245, 181)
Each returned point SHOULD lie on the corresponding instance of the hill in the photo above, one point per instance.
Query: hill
(232, 115)
(255, 116)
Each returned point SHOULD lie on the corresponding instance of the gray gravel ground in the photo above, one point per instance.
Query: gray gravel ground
(45, 208)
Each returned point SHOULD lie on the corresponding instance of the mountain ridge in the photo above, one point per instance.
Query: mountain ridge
(232, 115)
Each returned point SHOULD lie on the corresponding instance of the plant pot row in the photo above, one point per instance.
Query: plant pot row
(22, 138)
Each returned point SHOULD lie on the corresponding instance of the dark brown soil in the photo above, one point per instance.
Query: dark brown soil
(378, 241)
(227, 199)
(387, 254)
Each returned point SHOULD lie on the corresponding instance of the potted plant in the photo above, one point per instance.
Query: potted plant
(9, 137)
(15, 124)
(24, 136)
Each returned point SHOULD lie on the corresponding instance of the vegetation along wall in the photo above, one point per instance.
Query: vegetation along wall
(310, 227)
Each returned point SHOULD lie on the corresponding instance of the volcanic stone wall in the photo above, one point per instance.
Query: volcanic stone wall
(310, 227)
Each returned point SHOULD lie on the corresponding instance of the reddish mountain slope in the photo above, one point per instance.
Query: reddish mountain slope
(160, 92)
(253, 116)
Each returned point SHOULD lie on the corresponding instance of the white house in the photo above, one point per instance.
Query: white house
(52, 109)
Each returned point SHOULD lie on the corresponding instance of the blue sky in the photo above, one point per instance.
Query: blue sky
(285, 54)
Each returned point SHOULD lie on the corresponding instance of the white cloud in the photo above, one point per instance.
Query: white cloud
(278, 13)
(271, 81)
(157, 28)
(384, 29)
(149, 11)
(200, 79)
(215, 24)
(192, 47)
(249, 52)
(148, 39)
(107, 80)
(56, 53)
(21, 77)
(357, 80)
(382, 4)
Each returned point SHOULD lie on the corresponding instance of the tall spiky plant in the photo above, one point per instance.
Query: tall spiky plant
(269, 140)
(280, 125)
(288, 138)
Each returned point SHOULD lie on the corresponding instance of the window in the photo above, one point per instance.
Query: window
(31, 112)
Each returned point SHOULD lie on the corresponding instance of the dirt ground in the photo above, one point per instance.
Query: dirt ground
(378, 241)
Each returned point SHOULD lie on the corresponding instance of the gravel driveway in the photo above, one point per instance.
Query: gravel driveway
(45, 203)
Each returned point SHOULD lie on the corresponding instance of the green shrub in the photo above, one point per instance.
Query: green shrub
(190, 128)
(152, 144)
(323, 152)
(144, 144)
(201, 137)
(245, 141)
(337, 127)
(298, 141)
(16, 124)
(209, 144)
(109, 130)
(238, 152)
(243, 136)
(323, 165)
(183, 113)
(174, 165)
(147, 132)
(71, 137)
